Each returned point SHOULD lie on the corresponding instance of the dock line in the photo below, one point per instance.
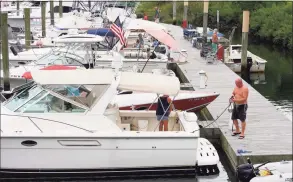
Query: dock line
(215, 119)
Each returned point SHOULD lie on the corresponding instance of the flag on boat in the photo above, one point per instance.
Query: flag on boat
(116, 28)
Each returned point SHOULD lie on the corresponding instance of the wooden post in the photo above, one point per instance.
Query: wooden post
(205, 19)
(245, 28)
(5, 54)
(60, 9)
(174, 12)
(43, 12)
(52, 12)
(17, 7)
(184, 23)
(218, 20)
(27, 27)
(90, 6)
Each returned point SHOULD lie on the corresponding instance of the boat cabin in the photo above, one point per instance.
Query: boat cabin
(89, 93)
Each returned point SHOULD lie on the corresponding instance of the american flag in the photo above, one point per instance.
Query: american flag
(116, 28)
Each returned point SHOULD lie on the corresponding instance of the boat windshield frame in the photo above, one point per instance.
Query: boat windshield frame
(59, 55)
(38, 90)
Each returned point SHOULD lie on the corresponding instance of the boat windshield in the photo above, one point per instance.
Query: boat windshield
(59, 58)
(56, 98)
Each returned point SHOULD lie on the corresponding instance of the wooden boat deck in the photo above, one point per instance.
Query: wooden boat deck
(268, 132)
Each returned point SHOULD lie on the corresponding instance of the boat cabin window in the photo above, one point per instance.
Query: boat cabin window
(23, 97)
(86, 95)
(50, 104)
(59, 59)
(66, 9)
(236, 48)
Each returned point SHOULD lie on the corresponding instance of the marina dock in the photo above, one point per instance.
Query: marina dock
(268, 132)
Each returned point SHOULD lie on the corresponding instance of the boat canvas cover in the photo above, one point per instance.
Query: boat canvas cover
(163, 37)
(140, 82)
(137, 24)
(101, 32)
(147, 82)
(73, 77)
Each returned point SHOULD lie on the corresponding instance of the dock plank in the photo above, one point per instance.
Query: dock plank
(268, 132)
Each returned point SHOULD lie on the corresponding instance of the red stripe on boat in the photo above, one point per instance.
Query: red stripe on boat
(27, 75)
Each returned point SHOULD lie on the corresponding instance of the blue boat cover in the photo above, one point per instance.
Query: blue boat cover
(211, 34)
(101, 32)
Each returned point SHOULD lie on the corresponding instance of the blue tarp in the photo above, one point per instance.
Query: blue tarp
(211, 34)
(101, 32)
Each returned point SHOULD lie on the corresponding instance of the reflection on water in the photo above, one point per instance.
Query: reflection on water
(276, 84)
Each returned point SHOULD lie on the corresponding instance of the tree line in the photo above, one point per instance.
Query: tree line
(269, 21)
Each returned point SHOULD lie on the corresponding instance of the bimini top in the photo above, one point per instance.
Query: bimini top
(140, 82)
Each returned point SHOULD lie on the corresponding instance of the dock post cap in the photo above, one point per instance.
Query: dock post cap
(202, 72)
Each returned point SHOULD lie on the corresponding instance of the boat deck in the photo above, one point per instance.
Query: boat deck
(268, 132)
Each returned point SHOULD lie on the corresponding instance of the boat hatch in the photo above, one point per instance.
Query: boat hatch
(56, 98)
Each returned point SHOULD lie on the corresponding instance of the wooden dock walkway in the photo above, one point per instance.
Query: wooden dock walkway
(268, 131)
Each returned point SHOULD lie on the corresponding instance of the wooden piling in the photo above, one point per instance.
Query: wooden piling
(174, 12)
(218, 20)
(184, 23)
(205, 19)
(5, 54)
(27, 27)
(60, 9)
(245, 28)
(52, 12)
(17, 7)
(43, 12)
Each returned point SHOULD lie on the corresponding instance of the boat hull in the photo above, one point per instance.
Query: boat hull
(97, 153)
(191, 103)
(255, 68)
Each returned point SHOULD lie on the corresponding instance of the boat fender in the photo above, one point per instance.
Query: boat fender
(13, 50)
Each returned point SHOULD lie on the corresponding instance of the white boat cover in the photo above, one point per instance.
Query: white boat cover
(79, 39)
(148, 82)
(73, 77)
(140, 82)
(136, 24)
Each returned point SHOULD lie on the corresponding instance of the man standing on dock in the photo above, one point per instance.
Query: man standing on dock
(215, 41)
(240, 95)
(157, 15)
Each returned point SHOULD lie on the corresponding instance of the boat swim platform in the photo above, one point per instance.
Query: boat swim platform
(268, 132)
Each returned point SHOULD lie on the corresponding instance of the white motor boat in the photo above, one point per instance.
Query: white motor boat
(232, 58)
(17, 20)
(268, 172)
(84, 133)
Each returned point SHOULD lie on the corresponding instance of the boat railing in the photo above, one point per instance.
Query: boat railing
(45, 119)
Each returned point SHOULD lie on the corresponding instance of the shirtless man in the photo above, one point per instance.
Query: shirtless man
(240, 95)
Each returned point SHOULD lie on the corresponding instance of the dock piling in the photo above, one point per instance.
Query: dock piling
(245, 28)
(5, 54)
(17, 7)
(43, 12)
(27, 27)
(205, 20)
(60, 9)
(174, 12)
(218, 20)
(184, 23)
(52, 12)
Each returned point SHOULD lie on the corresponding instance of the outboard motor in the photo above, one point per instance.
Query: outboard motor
(13, 50)
(245, 172)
